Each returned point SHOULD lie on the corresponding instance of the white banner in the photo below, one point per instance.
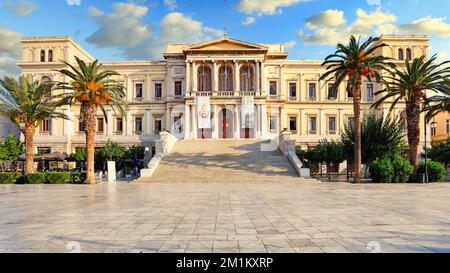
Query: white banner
(203, 113)
(248, 112)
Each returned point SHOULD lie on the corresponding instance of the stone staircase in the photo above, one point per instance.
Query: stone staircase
(223, 161)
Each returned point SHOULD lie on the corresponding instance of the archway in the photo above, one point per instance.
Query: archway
(226, 124)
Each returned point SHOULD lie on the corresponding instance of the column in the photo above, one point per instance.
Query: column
(263, 121)
(129, 124)
(66, 130)
(263, 79)
(53, 128)
(148, 122)
(237, 118)
(110, 124)
(188, 78)
(169, 91)
(194, 121)
(130, 88)
(320, 122)
(215, 133)
(194, 77)
(340, 125)
(302, 122)
(258, 121)
(282, 119)
(215, 77)
(169, 119)
(236, 76)
(257, 77)
(187, 121)
(148, 88)
(282, 83)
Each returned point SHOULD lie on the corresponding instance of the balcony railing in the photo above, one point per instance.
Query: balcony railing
(45, 133)
(118, 133)
(223, 93)
(312, 99)
(292, 98)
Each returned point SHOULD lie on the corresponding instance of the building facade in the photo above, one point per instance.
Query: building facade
(440, 127)
(164, 95)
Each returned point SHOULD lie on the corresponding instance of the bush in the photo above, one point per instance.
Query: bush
(402, 170)
(436, 171)
(382, 171)
(58, 177)
(10, 178)
(77, 178)
(36, 178)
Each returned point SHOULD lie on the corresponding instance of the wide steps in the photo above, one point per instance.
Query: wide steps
(223, 160)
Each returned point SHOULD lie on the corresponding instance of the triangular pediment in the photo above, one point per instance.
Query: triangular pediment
(226, 44)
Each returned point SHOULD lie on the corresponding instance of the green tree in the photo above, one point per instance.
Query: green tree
(79, 157)
(355, 61)
(10, 150)
(330, 152)
(380, 138)
(27, 103)
(409, 85)
(440, 152)
(112, 151)
(94, 89)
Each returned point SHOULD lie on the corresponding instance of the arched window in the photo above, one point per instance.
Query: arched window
(247, 78)
(50, 55)
(46, 80)
(400, 55)
(42, 56)
(226, 78)
(204, 78)
(408, 54)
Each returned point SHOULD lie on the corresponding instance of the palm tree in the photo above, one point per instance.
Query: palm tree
(409, 85)
(354, 62)
(437, 104)
(27, 103)
(93, 88)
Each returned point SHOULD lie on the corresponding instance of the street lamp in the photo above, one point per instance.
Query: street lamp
(147, 156)
(425, 180)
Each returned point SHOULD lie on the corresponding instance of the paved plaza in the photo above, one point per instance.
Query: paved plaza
(225, 217)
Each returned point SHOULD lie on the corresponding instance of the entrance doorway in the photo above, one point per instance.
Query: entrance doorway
(226, 124)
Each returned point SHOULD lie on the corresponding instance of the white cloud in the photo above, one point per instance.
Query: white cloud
(122, 27)
(427, 25)
(374, 2)
(73, 2)
(248, 21)
(442, 56)
(265, 7)
(323, 36)
(20, 7)
(10, 51)
(171, 4)
(290, 44)
(328, 18)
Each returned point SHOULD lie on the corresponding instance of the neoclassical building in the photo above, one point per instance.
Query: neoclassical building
(221, 74)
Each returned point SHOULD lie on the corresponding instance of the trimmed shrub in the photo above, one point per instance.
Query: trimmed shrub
(77, 178)
(382, 171)
(436, 171)
(10, 178)
(402, 170)
(58, 177)
(36, 178)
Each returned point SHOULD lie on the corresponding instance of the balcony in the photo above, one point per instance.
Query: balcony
(175, 98)
(293, 99)
(224, 94)
(312, 99)
(138, 133)
(118, 133)
(45, 133)
(138, 100)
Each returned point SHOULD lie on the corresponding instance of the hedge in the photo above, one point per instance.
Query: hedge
(58, 177)
(10, 178)
(36, 178)
(436, 171)
(391, 171)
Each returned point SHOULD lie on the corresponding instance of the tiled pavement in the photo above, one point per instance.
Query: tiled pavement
(225, 217)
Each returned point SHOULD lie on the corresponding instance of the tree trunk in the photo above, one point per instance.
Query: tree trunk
(357, 124)
(29, 132)
(89, 130)
(413, 123)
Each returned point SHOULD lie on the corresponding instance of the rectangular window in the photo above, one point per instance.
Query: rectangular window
(369, 91)
(158, 125)
(350, 122)
(293, 125)
(332, 125)
(119, 125)
(447, 126)
(139, 90)
(273, 124)
(293, 90)
(100, 125)
(331, 95)
(44, 150)
(273, 88)
(312, 91)
(158, 90)
(433, 129)
(312, 125)
(178, 88)
(80, 125)
(45, 125)
(138, 124)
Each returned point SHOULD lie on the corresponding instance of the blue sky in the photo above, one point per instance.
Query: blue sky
(140, 29)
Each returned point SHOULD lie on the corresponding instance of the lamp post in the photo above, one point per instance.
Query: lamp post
(147, 156)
